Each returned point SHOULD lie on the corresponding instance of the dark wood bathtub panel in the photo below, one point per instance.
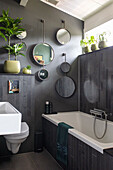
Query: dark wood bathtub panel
(80, 155)
(49, 136)
(83, 157)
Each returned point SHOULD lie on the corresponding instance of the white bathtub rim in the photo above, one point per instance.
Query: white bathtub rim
(81, 136)
(90, 141)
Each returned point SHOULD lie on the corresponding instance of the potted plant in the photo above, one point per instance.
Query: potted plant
(102, 40)
(27, 70)
(13, 66)
(8, 28)
(93, 43)
(85, 45)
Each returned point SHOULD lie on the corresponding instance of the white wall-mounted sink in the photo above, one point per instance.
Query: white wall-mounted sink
(10, 119)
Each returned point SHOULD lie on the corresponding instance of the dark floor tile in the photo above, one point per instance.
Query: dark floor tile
(23, 162)
(5, 163)
(29, 161)
(45, 161)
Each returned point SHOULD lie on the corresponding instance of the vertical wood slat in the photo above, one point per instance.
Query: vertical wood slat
(96, 68)
(80, 155)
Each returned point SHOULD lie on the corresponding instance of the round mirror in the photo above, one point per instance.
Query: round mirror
(63, 36)
(22, 35)
(65, 86)
(24, 46)
(65, 67)
(43, 74)
(43, 53)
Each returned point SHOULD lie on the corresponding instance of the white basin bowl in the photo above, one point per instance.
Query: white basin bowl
(10, 119)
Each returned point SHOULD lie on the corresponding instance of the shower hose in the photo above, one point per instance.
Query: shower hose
(105, 129)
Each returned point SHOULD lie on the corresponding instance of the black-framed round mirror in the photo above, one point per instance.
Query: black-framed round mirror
(65, 67)
(65, 87)
(63, 36)
(43, 54)
(43, 74)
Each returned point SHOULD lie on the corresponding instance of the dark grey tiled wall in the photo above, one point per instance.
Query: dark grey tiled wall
(31, 14)
(96, 81)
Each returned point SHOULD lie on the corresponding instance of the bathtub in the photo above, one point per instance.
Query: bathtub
(82, 124)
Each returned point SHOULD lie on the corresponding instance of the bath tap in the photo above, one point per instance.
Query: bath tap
(101, 114)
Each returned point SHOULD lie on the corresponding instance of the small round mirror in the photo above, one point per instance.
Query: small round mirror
(22, 35)
(43, 74)
(24, 46)
(65, 67)
(43, 54)
(63, 36)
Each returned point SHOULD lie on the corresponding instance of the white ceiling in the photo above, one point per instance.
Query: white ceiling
(81, 9)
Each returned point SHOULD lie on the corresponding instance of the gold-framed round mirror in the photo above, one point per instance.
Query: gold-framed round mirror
(63, 36)
(43, 54)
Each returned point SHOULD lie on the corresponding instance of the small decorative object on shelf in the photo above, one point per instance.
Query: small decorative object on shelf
(93, 43)
(85, 44)
(103, 40)
(27, 70)
(13, 66)
(10, 27)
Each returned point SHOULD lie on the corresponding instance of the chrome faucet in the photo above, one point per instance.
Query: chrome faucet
(98, 113)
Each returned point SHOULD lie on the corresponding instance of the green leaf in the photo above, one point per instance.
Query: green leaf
(3, 28)
(9, 26)
(3, 36)
(22, 54)
(28, 67)
(15, 49)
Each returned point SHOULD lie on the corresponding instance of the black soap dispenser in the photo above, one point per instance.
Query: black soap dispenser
(50, 107)
(47, 107)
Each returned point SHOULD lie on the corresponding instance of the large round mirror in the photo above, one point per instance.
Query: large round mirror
(63, 36)
(65, 87)
(43, 53)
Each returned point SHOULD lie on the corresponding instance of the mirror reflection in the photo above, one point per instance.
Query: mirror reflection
(63, 36)
(43, 53)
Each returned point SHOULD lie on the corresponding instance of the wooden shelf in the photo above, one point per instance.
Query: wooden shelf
(20, 74)
(96, 51)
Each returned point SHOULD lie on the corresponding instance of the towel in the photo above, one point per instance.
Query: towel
(62, 141)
